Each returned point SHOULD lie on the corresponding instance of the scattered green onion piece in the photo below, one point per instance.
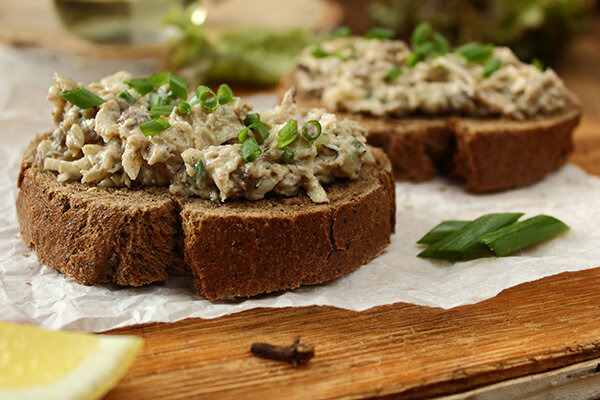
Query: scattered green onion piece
(191, 180)
(421, 33)
(392, 74)
(379, 33)
(125, 95)
(318, 129)
(157, 111)
(357, 144)
(154, 126)
(262, 129)
(287, 134)
(82, 98)
(319, 53)
(183, 108)
(342, 31)
(140, 85)
(346, 53)
(208, 103)
(522, 234)
(250, 149)
(287, 156)
(156, 100)
(440, 43)
(200, 171)
(251, 119)
(538, 64)
(244, 134)
(178, 86)
(441, 231)
(159, 79)
(490, 66)
(419, 54)
(475, 52)
(462, 242)
(412, 59)
(224, 94)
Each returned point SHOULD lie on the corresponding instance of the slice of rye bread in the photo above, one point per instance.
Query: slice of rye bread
(235, 249)
(488, 154)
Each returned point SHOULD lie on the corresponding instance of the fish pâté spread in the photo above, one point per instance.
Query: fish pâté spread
(122, 132)
(392, 78)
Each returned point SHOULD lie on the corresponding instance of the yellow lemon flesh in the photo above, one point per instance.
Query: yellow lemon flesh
(41, 364)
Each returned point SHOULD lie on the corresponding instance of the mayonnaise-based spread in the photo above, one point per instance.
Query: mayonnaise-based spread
(200, 153)
(355, 78)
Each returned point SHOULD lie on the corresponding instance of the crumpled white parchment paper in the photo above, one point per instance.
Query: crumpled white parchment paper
(33, 293)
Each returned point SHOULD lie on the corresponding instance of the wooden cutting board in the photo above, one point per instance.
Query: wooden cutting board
(402, 351)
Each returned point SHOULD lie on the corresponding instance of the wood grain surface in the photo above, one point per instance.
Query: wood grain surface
(399, 351)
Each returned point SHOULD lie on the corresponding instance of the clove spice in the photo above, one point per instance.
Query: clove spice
(297, 353)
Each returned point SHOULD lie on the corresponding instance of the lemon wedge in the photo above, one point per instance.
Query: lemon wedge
(41, 364)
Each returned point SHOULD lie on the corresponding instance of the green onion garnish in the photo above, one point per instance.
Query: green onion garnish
(421, 33)
(154, 126)
(318, 130)
(440, 43)
(538, 64)
(346, 53)
(462, 242)
(490, 66)
(251, 119)
(250, 149)
(159, 79)
(156, 100)
(319, 53)
(200, 171)
(441, 231)
(475, 52)
(419, 54)
(125, 95)
(208, 103)
(82, 98)
(262, 129)
(164, 109)
(191, 180)
(522, 234)
(342, 31)
(392, 74)
(183, 108)
(287, 134)
(379, 33)
(178, 86)
(357, 144)
(287, 156)
(224, 94)
(140, 85)
(244, 134)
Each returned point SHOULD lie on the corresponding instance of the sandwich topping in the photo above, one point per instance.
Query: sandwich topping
(391, 78)
(123, 132)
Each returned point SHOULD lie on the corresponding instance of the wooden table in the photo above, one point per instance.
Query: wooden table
(400, 351)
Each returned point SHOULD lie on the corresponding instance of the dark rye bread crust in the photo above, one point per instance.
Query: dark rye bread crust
(239, 248)
(488, 154)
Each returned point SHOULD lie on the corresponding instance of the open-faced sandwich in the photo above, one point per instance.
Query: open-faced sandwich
(474, 112)
(138, 180)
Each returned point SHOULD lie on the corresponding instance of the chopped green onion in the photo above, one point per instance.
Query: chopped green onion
(178, 86)
(392, 74)
(157, 111)
(490, 66)
(125, 95)
(522, 234)
(250, 149)
(412, 59)
(200, 171)
(319, 53)
(287, 134)
(191, 180)
(244, 134)
(224, 94)
(346, 53)
(342, 31)
(419, 54)
(208, 103)
(538, 64)
(156, 100)
(475, 52)
(421, 34)
(441, 231)
(154, 126)
(140, 85)
(287, 156)
(183, 108)
(440, 43)
(462, 242)
(318, 129)
(357, 144)
(262, 129)
(379, 33)
(251, 119)
(159, 79)
(82, 98)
